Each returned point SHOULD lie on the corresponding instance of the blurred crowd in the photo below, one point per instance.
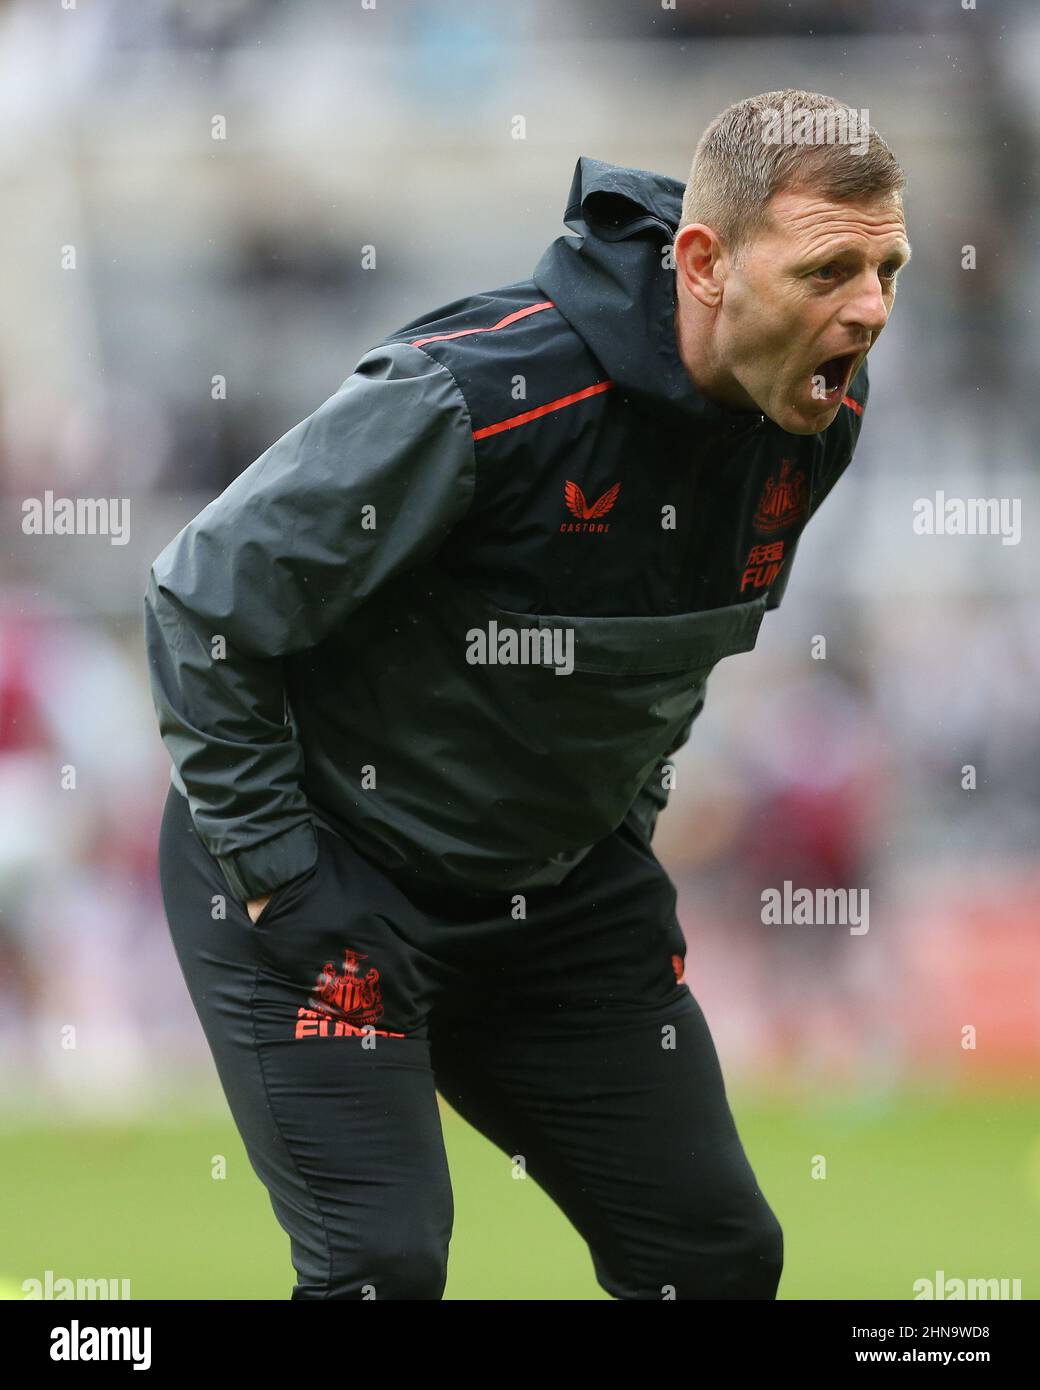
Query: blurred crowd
(181, 300)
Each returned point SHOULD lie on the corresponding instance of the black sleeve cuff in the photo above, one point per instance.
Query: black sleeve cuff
(253, 872)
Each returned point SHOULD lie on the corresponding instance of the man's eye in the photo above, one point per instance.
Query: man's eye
(889, 270)
(827, 272)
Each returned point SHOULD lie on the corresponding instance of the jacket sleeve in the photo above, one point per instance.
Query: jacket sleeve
(367, 486)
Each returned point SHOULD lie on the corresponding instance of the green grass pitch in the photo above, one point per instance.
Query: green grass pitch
(914, 1184)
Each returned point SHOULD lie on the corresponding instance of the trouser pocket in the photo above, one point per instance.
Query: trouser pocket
(334, 945)
(285, 890)
(330, 950)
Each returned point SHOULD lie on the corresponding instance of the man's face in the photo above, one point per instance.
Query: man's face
(806, 301)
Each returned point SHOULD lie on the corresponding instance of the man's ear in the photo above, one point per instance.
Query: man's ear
(698, 262)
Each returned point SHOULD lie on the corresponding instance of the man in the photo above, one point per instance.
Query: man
(421, 669)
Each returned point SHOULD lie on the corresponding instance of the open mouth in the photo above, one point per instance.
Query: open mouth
(835, 374)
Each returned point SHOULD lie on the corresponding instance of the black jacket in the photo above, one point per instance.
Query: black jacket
(533, 460)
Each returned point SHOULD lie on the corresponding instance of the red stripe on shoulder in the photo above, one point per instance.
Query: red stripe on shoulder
(539, 410)
(491, 328)
(852, 405)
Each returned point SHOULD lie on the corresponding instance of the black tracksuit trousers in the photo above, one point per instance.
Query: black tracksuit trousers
(558, 1026)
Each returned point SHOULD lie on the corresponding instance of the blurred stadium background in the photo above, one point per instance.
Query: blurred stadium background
(241, 257)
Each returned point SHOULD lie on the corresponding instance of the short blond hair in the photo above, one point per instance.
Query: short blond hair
(743, 159)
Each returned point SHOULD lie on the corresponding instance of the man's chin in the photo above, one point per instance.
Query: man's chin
(795, 419)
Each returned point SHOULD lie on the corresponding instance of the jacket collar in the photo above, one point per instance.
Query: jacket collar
(614, 282)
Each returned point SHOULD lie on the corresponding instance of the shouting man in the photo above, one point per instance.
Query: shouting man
(421, 669)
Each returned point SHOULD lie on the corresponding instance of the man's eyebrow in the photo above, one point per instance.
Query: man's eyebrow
(835, 253)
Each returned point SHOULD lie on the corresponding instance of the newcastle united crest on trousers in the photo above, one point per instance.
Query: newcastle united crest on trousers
(345, 1003)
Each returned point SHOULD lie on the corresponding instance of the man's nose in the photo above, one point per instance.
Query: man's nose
(867, 308)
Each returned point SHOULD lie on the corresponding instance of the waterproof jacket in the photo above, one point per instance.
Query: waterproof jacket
(369, 627)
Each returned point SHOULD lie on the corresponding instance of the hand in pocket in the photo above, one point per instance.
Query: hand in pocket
(256, 905)
(259, 909)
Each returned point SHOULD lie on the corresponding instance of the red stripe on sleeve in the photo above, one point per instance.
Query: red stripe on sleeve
(540, 410)
(491, 328)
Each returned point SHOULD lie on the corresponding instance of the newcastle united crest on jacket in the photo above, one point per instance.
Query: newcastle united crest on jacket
(785, 499)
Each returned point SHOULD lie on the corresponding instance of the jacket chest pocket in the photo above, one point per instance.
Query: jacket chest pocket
(579, 738)
(528, 734)
(681, 643)
(616, 686)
